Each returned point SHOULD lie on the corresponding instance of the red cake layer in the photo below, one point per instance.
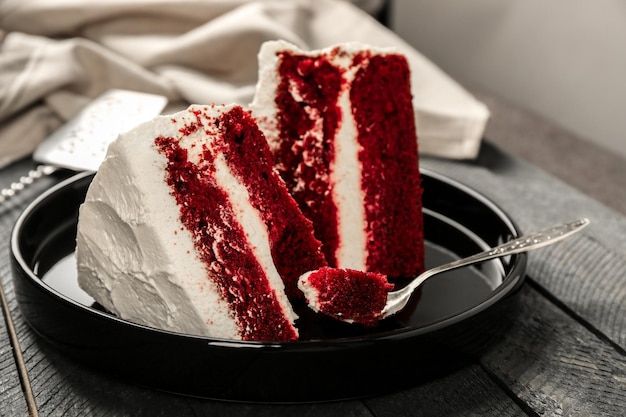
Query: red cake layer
(382, 108)
(350, 295)
(206, 211)
(305, 157)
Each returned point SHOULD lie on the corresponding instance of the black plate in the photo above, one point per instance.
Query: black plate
(454, 318)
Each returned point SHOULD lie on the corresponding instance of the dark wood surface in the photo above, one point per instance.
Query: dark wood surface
(564, 353)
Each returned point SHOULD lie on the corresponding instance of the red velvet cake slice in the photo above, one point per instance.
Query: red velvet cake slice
(341, 126)
(188, 227)
(345, 294)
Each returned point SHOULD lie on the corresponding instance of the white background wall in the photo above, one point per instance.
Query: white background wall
(562, 59)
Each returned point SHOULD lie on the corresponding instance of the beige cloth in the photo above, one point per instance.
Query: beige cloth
(56, 55)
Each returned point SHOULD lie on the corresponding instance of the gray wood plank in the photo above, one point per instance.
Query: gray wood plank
(467, 392)
(594, 288)
(12, 400)
(555, 365)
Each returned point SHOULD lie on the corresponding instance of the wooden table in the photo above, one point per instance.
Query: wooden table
(565, 353)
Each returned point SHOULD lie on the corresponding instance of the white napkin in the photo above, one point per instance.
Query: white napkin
(56, 55)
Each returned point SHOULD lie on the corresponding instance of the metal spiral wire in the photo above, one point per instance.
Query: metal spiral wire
(16, 187)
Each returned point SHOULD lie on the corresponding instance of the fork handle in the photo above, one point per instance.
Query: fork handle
(396, 300)
(522, 244)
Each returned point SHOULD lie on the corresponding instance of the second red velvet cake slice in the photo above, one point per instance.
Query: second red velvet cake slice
(341, 126)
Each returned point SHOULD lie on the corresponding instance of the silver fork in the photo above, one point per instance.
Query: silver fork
(397, 300)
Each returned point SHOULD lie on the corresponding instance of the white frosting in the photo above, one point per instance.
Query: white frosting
(311, 294)
(346, 170)
(134, 255)
(347, 192)
(263, 106)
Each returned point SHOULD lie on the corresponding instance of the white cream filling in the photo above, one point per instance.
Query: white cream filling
(347, 193)
(263, 106)
(254, 229)
(311, 294)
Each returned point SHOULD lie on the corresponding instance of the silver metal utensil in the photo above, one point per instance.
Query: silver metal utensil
(397, 300)
(81, 143)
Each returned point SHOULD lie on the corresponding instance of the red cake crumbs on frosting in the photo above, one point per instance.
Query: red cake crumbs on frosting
(309, 118)
(346, 294)
(207, 212)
